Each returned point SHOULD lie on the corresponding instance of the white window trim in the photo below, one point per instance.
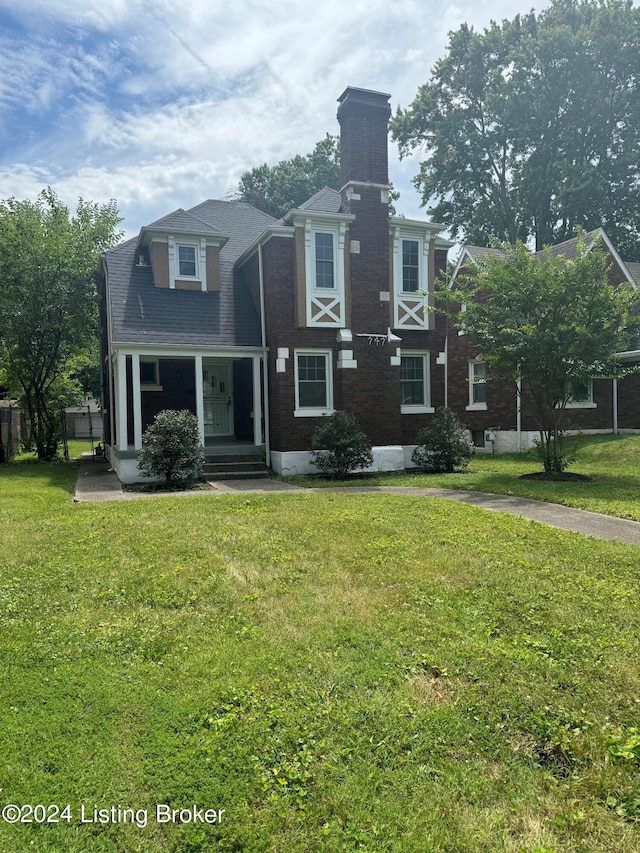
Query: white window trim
(332, 316)
(200, 246)
(475, 407)
(183, 245)
(411, 303)
(426, 407)
(302, 412)
(586, 404)
(151, 386)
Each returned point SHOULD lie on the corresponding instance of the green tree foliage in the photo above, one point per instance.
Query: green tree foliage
(48, 307)
(278, 189)
(171, 448)
(555, 322)
(444, 445)
(339, 446)
(532, 127)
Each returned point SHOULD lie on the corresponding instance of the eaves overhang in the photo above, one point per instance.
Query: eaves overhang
(267, 234)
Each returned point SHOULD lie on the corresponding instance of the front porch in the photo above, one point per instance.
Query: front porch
(224, 390)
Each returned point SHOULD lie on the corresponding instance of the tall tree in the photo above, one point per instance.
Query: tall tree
(532, 127)
(278, 189)
(554, 323)
(48, 308)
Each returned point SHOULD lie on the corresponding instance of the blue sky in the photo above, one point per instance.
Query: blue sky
(162, 105)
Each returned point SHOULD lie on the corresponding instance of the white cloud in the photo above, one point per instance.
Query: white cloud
(162, 105)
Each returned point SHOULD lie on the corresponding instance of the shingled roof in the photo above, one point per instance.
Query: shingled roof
(325, 200)
(143, 313)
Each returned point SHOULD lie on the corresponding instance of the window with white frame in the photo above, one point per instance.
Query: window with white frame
(324, 242)
(410, 286)
(150, 374)
(477, 385)
(415, 392)
(581, 394)
(410, 266)
(314, 387)
(187, 261)
(324, 260)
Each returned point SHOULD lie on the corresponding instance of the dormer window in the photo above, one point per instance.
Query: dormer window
(187, 261)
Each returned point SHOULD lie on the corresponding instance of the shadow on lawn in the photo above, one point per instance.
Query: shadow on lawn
(28, 472)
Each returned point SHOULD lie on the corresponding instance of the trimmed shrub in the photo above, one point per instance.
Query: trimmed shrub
(444, 445)
(339, 446)
(171, 448)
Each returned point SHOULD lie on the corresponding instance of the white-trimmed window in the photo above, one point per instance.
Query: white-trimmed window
(187, 260)
(581, 395)
(477, 385)
(314, 386)
(150, 374)
(324, 257)
(410, 266)
(415, 391)
(410, 276)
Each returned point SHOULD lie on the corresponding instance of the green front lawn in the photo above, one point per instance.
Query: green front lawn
(613, 463)
(337, 672)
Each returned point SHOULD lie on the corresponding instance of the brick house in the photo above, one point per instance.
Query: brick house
(498, 418)
(262, 326)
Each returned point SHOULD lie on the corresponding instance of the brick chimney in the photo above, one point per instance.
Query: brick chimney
(363, 116)
(373, 390)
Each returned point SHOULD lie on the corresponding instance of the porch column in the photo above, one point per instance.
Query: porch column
(199, 398)
(257, 402)
(121, 391)
(137, 402)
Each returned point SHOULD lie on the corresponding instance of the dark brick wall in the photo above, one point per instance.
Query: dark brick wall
(629, 402)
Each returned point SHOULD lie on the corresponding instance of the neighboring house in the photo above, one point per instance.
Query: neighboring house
(262, 326)
(498, 419)
(84, 421)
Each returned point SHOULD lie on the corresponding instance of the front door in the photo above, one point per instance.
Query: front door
(217, 389)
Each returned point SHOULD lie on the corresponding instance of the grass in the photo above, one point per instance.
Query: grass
(338, 672)
(612, 462)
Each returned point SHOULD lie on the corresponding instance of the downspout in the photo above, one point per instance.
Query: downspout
(265, 366)
(615, 406)
(446, 371)
(519, 412)
(110, 364)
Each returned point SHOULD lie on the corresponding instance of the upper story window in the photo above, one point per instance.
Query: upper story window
(320, 283)
(477, 385)
(411, 279)
(410, 266)
(324, 258)
(187, 261)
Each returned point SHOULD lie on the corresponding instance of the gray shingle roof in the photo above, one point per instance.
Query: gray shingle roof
(181, 222)
(143, 313)
(325, 200)
(634, 270)
(477, 252)
(568, 247)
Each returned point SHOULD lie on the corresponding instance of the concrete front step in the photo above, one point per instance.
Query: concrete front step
(214, 476)
(224, 458)
(220, 467)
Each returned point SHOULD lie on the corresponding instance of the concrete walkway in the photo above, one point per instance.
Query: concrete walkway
(98, 482)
